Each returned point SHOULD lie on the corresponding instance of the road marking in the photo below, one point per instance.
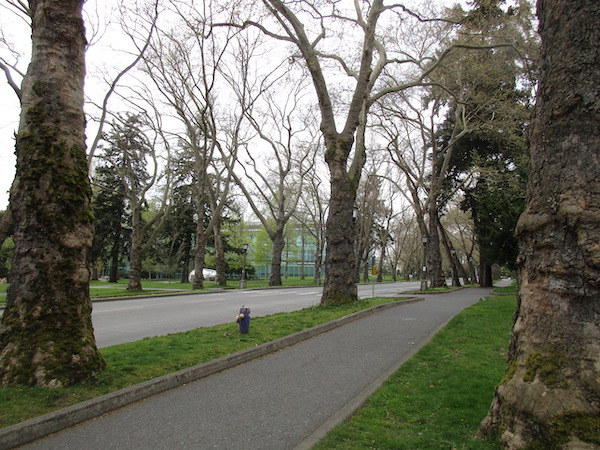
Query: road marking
(269, 293)
(191, 302)
(118, 309)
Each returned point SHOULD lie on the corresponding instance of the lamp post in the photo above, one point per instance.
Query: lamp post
(424, 271)
(243, 281)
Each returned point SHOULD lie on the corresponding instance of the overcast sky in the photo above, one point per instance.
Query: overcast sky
(107, 52)
(9, 110)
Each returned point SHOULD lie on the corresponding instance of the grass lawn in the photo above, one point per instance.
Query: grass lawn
(510, 290)
(438, 398)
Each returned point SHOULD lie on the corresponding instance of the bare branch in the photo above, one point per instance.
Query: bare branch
(115, 82)
(7, 72)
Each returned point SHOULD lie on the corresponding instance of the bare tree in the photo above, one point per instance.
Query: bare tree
(405, 243)
(273, 181)
(46, 335)
(312, 215)
(14, 77)
(460, 236)
(307, 26)
(409, 124)
(148, 17)
(10, 67)
(185, 63)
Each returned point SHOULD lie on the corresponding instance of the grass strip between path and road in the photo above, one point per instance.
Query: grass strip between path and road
(438, 398)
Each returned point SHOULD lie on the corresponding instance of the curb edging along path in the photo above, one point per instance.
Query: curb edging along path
(39, 427)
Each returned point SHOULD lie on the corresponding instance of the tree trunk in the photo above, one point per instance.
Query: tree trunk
(302, 253)
(46, 335)
(278, 244)
(220, 267)
(185, 267)
(549, 397)
(95, 272)
(135, 255)
(365, 270)
(340, 286)
(454, 264)
(198, 282)
(318, 261)
(381, 262)
(114, 265)
(485, 272)
(340, 258)
(434, 257)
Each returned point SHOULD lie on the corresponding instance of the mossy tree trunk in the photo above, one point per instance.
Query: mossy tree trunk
(550, 395)
(46, 335)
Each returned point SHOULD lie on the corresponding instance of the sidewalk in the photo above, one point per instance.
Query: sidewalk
(285, 400)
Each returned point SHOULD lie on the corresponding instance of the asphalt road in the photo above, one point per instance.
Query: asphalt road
(117, 322)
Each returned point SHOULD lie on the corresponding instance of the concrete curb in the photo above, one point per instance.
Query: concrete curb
(53, 422)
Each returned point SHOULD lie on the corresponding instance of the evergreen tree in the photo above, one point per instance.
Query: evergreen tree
(126, 154)
(493, 85)
(109, 204)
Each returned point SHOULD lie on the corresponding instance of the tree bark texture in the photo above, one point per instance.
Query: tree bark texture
(340, 236)
(550, 395)
(318, 263)
(199, 250)
(134, 283)
(46, 335)
(434, 257)
(278, 240)
(485, 272)
(114, 265)
(454, 263)
(220, 264)
(187, 248)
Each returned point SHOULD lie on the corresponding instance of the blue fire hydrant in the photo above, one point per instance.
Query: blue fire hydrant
(243, 319)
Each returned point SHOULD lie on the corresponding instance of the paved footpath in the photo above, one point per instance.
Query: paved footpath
(285, 400)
